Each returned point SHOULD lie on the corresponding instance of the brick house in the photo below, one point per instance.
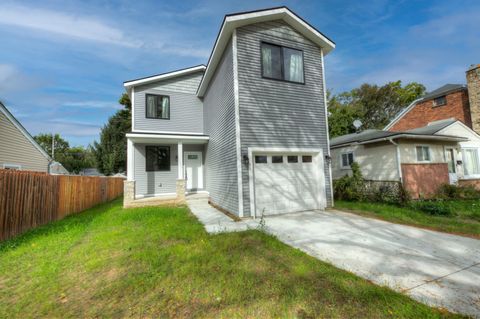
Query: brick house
(451, 101)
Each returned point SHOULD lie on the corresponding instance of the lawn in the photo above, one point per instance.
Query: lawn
(159, 262)
(465, 219)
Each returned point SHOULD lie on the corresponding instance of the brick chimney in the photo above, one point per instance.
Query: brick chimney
(473, 84)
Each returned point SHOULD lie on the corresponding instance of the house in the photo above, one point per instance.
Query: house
(461, 102)
(424, 158)
(249, 129)
(18, 149)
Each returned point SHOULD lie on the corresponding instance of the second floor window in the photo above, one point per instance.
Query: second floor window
(157, 106)
(439, 101)
(282, 63)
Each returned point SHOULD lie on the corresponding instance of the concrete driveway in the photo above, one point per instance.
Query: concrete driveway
(435, 268)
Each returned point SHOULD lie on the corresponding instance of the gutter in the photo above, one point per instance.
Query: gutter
(399, 161)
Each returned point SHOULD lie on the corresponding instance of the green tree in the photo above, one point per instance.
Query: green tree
(111, 151)
(45, 141)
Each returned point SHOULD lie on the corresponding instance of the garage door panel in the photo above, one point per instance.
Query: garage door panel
(285, 187)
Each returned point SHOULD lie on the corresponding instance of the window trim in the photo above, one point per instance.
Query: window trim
(349, 166)
(438, 97)
(17, 167)
(282, 64)
(146, 106)
(429, 153)
(169, 159)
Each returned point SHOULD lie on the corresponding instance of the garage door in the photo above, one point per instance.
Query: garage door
(286, 183)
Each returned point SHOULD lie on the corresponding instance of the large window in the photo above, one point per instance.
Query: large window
(281, 63)
(157, 106)
(157, 158)
(347, 159)
(423, 153)
(471, 163)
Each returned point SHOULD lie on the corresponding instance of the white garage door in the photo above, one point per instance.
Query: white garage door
(286, 182)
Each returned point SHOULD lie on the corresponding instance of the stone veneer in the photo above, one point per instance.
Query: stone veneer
(130, 201)
(128, 192)
(473, 84)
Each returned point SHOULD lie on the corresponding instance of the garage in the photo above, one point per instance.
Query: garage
(286, 182)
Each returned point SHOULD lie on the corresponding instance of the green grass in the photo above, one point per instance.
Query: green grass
(465, 219)
(159, 262)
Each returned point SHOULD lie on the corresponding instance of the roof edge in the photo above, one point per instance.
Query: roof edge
(164, 76)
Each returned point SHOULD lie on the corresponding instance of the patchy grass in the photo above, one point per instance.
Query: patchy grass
(465, 219)
(159, 262)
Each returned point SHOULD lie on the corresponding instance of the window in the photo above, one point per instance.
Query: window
(277, 159)
(471, 163)
(260, 159)
(192, 157)
(423, 153)
(439, 101)
(292, 159)
(306, 158)
(281, 63)
(157, 106)
(14, 167)
(347, 159)
(157, 158)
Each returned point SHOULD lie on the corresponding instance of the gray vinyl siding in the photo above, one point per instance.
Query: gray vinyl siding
(16, 149)
(186, 109)
(149, 183)
(221, 155)
(276, 113)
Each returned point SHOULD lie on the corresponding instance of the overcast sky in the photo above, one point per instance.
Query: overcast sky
(62, 63)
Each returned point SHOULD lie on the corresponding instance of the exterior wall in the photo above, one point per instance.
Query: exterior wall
(219, 123)
(377, 162)
(437, 150)
(186, 109)
(16, 149)
(276, 113)
(424, 112)
(423, 180)
(473, 83)
(154, 183)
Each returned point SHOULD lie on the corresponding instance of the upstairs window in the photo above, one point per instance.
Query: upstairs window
(157, 158)
(157, 106)
(439, 101)
(281, 63)
(423, 153)
(347, 159)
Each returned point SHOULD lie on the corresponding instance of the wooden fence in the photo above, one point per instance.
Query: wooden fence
(31, 199)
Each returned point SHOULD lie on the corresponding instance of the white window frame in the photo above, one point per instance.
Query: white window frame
(12, 166)
(472, 176)
(349, 166)
(429, 153)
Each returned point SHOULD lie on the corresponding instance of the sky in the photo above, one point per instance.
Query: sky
(63, 63)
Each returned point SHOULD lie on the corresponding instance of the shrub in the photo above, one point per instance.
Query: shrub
(350, 187)
(447, 191)
(436, 208)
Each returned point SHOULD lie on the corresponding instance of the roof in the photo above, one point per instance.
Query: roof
(163, 76)
(443, 90)
(236, 20)
(25, 133)
(371, 136)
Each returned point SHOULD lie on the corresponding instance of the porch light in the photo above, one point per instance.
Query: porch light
(245, 159)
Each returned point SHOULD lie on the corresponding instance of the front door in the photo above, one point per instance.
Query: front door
(194, 170)
(452, 169)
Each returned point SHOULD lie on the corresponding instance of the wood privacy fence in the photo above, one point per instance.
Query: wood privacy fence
(31, 199)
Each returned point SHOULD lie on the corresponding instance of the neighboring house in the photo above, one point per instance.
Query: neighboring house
(92, 171)
(461, 102)
(250, 128)
(442, 152)
(18, 149)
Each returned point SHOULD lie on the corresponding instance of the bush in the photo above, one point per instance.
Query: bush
(447, 191)
(435, 208)
(350, 187)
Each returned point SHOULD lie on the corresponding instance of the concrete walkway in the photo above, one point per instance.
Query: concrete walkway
(435, 268)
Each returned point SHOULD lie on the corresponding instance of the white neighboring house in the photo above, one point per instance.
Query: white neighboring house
(18, 149)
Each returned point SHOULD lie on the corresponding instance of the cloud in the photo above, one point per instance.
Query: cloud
(13, 80)
(66, 128)
(94, 104)
(64, 24)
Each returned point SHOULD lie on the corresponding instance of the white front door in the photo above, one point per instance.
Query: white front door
(194, 170)
(452, 165)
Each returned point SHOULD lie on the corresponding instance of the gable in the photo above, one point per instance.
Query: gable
(185, 84)
(461, 130)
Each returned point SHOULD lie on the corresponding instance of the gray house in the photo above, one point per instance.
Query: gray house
(250, 128)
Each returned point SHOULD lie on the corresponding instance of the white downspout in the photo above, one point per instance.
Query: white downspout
(399, 162)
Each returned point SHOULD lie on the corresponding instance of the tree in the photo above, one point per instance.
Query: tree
(45, 141)
(111, 151)
(374, 105)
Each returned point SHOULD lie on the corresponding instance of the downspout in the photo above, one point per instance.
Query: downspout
(399, 163)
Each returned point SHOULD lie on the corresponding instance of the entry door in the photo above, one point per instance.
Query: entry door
(452, 166)
(194, 170)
